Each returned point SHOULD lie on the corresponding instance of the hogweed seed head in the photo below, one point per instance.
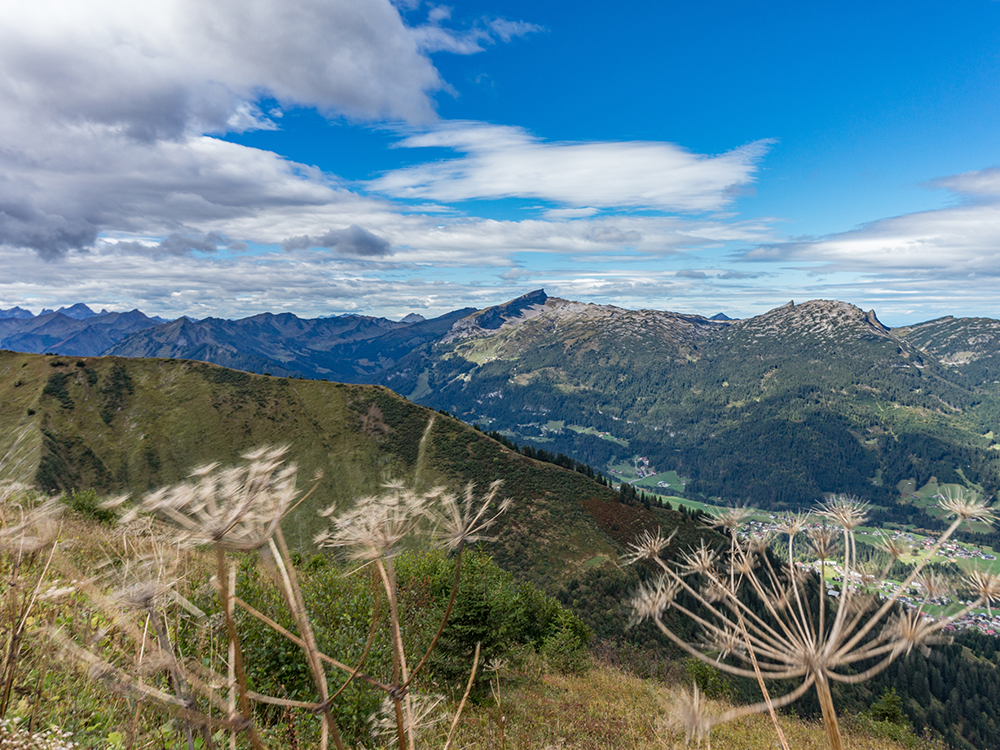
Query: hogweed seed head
(701, 560)
(966, 505)
(647, 546)
(458, 523)
(652, 599)
(237, 508)
(985, 586)
(728, 520)
(844, 511)
(823, 542)
(375, 526)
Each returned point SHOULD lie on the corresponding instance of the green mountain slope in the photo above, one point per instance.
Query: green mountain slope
(777, 409)
(122, 425)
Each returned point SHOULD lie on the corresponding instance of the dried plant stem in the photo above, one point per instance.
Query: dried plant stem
(372, 631)
(829, 713)
(404, 725)
(299, 642)
(296, 603)
(231, 650)
(177, 676)
(18, 618)
(234, 640)
(465, 697)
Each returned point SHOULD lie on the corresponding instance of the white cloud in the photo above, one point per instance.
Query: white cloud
(503, 161)
(958, 242)
(164, 67)
(106, 108)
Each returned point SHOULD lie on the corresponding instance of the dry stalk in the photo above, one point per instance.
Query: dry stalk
(789, 640)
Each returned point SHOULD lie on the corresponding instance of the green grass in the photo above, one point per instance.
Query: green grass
(672, 480)
(608, 709)
(603, 435)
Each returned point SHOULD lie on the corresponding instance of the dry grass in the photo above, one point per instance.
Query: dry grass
(606, 709)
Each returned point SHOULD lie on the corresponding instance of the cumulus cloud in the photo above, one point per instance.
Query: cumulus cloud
(108, 108)
(350, 241)
(160, 69)
(504, 161)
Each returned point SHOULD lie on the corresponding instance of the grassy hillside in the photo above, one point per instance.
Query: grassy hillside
(530, 694)
(123, 425)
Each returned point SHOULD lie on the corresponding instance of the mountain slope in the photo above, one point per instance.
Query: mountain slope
(345, 348)
(131, 425)
(78, 334)
(777, 409)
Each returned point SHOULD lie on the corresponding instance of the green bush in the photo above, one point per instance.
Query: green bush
(88, 504)
(491, 608)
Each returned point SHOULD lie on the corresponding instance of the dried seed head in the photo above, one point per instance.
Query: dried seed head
(912, 628)
(895, 548)
(729, 519)
(823, 541)
(985, 586)
(375, 526)
(647, 546)
(36, 528)
(844, 511)
(934, 585)
(793, 523)
(727, 640)
(652, 599)
(423, 713)
(236, 508)
(966, 505)
(701, 560)
(690, 712)
(460, 522)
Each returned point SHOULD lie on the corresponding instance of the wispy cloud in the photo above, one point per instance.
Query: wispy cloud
(958, 242)
(504, 161)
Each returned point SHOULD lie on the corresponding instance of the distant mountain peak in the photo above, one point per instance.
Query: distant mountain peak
(412, 318)
(721, 316)
(79, 311)
(526, 306)
(819, 317)
(18, 313)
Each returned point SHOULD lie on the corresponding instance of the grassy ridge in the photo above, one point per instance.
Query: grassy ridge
(121, 425)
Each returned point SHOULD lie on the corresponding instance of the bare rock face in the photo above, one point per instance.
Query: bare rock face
(492, 318)
(956, 341)
(822, 318)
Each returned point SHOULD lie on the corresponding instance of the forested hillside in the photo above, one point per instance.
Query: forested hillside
(807, 399)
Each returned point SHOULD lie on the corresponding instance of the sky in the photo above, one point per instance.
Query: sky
(324, 157)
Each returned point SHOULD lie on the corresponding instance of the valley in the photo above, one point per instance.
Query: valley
(685, 415)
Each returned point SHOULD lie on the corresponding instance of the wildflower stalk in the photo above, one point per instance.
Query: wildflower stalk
(296, 603)
(404, 725)
(465, 697)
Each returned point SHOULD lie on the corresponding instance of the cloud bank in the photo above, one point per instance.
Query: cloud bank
(107, 109)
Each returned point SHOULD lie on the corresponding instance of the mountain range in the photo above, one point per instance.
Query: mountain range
(776, 410)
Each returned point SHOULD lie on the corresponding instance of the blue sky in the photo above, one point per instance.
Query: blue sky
(330, 156)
